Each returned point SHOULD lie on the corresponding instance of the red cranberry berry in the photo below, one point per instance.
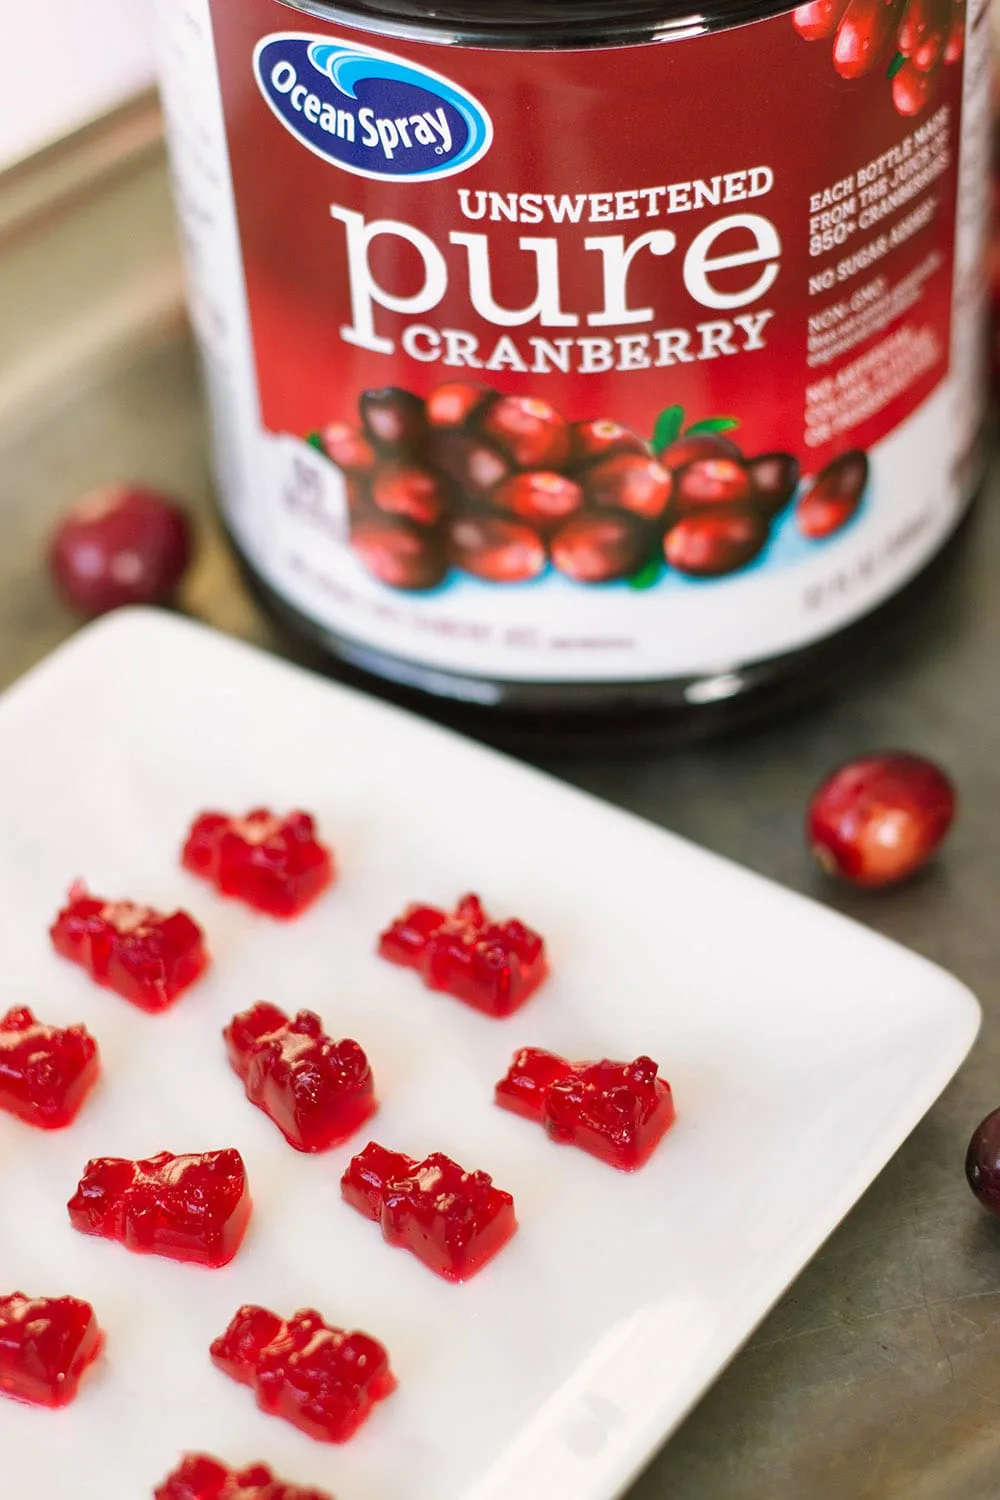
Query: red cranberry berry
(540, 497)
(394, 418)
(453, 404)
(863, 35)
(121, 545)
(911, 89)
(475, 467)
(719, 539)
(529, 431)
(818, 19)
(711, 481)
(349, 449)
(600, 546)
(923, 32)
(630, 482)
(877, 820)
(589, 441)
(775, 478)
(700, 445)
(834, 496)
(498, 551)
(982, 1162)
(399, 553)
(955, 42)
(407, 490)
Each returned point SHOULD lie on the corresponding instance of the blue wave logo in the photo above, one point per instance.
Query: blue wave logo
(369, 112)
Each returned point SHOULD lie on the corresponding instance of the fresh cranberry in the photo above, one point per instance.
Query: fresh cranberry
(46, 1072)
(589, 441)
(118, 546)
(144, 956)
(719, 539)
(600, 546)
(474, 466)
(400, 553)
(410, 491)
(349, 449)
(454, 404)
(496, 550)
(617, 1111)
(394, 419)
(629, 482)
(454, 1221)
(529, 431)
(911, 89)
(923, 32)
(191, 1208)
(199, 1477)
(46, 1345)
(540, 497)
(275, 864)
(492, 966)
(317, 1091)
(324, 1381)
(774, 478)
(863, 35)
(982, 1162)
(699, 446)
(877, 820)
(818, 19)
(710, 481)
(833, 497)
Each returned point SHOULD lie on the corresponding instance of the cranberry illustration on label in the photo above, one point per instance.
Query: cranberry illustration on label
(454, 1221)
(46, 1346)
(144, 956)
(317, 1091)
(617, 1111)
(273, 863)
(720, 540)
(200, 1477)
(320, 1379)
(833, 497)
(492, 966)
(194, 1207)
(499, 551)
(46, 1072)
(909, 39)
(602, 546)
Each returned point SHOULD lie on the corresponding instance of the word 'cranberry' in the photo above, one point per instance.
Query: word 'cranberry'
(494, 967)
(539, 496)
(982, 1162)
(879, 819)
(199, 1477)
(454, 1221)
(317, 1091)
(191, 1208)
(400, 553)
(118, 546)
(321, 1379)
(529, 431)
(629, 482)
(600, 546)
(142, 955)
(498, 551)
(46, 1344)
(46, 1072)
(719, 539)
(275, 864)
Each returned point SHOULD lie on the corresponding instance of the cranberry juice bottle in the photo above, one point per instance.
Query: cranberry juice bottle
(587, 356)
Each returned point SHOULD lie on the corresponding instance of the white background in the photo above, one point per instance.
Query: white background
(64, 61)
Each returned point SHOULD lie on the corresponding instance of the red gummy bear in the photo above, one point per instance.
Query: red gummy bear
(199, 1477)
(275, 865)
(193, 1208)
(143, 956)
(46, 1343)
(454, 1221)
(320, 1379)
(493, 967)
(617, 1111)
(317, 1091)
(46, 1072)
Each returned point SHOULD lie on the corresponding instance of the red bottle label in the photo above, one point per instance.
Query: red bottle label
(609, 363)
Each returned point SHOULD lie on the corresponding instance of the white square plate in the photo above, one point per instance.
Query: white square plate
(801, 1048)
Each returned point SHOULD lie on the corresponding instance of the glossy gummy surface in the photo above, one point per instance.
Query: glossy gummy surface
(144, 956)
(617, 1111)
(191, 1208)
(494, 967)
(199, 1477)
(454, 1221)
(274, 864)
(317, 1091)
(46, 1072)
(321, 1379)
(46, 1344)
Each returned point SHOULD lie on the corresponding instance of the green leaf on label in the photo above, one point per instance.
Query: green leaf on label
(647, 575)
(315, 441)
(668, 427)
(895, 65)
(712, 424)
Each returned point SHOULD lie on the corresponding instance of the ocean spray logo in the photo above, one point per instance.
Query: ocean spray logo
(369, 112)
